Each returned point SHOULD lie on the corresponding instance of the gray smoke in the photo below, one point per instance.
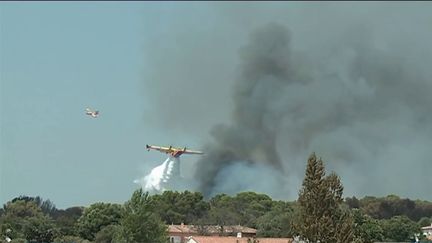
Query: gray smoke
(267, 69)
(347, 108)
(349, 83)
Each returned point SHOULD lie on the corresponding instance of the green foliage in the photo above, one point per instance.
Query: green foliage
(70, 239)
(109, 234)
(66, 220)
(352, 202)
(250, 206)
(19, 240)
(392, 205)
(425, 221)
(222, 211)
(399, 228)
(21, 209)
(39, 229)
(46, 206)
(26, 220)
(319, 210)
(277, 222)
(367, 229)
(180, 207)
(140, 223)
(96, 217)
(243, 209)
(321, 217)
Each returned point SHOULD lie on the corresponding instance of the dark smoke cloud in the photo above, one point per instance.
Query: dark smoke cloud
(359, 86)
(349, 83)
(267, 69)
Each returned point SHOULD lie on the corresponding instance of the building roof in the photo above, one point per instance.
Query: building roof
(211, 229)
(174, 229)
(220, 239)
(427, 227)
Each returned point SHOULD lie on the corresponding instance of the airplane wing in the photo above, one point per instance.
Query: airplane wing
(187, 151)
(175, 152)
(159, 148)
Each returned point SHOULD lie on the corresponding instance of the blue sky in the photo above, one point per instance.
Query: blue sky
(163, 73)
(57, 59)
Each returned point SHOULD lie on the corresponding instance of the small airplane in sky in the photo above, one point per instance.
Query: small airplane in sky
(174, 152)
(91, 113)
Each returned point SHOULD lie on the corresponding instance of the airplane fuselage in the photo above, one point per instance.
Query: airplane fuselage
(93, 114)
(174, 152)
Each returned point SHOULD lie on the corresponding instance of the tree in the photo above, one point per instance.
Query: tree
(425, 221)
(109, 234)
(140, 223)
(96, 217)
(46, 206)
(222, 211)
(352, 202)
(180, 207)
(366, 229)
(277, 222)
(70, 239)
(245, 208)
(40, 229)
(25, 219)
(250, 206)
(274, 224)
(321, 217)
(18, 240)
(392, 205)
(399, 228)
(67, 219)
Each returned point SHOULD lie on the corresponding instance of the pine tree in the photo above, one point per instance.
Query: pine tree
(321, 218)
(140, 224)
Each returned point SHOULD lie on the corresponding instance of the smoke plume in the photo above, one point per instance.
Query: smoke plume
(351, 84)
(338, 108)
(267, 69)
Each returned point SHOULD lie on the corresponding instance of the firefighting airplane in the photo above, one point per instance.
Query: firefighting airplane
(91, 113)
(174, 152)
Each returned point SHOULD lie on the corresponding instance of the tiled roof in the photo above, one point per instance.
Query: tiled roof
(173, 229)
(219, 239)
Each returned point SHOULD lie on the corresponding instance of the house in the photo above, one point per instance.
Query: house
(427, 231)
(179, 233)
(230, 239)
